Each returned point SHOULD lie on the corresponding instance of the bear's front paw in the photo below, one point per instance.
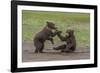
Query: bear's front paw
(58, 32)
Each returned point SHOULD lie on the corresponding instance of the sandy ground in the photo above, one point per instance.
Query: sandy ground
(28, 54)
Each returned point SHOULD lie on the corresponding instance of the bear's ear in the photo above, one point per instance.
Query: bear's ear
(72, 32)
(50, 24)
(47, 22)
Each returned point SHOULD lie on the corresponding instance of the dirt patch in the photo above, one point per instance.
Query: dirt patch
(49, 54)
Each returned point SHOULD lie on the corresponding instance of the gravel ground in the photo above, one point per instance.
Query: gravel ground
(49, 54)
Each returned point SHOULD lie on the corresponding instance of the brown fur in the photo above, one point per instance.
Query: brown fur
(70, 45)
(43, 35)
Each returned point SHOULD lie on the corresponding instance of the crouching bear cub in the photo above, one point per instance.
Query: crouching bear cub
(70, 40)
(45, 34)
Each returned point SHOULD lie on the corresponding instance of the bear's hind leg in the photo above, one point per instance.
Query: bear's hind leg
(38, 46)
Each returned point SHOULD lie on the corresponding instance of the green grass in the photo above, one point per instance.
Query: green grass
(34, 21)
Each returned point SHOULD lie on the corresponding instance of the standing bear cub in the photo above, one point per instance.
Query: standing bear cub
(45, 34)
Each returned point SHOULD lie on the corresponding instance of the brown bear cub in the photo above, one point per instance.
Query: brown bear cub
(70, 40)
(45, 34)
